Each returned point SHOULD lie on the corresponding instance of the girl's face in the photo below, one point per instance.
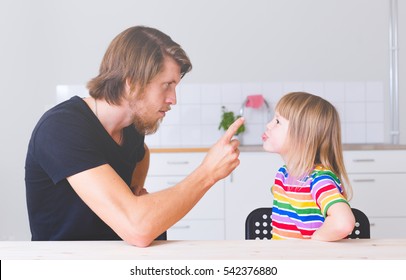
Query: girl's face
(276, 134)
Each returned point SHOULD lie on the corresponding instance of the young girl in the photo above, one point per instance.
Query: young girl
(312, 189)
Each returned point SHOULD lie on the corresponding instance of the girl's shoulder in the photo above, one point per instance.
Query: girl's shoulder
(322, 172)
(320, 169)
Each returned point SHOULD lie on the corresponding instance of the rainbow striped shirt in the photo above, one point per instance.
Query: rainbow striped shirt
(300, 206)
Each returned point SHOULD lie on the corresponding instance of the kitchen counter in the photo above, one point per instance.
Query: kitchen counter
(258, 148)
(373, 249)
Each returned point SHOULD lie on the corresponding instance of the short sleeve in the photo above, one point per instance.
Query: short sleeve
(326, 191)
(66, 147)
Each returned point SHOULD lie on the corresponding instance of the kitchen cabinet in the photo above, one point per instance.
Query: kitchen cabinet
(248, 188)
(206, 220)
(377, 178)
(221, 213)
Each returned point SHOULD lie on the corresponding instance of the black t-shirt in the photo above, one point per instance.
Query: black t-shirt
(69, 139)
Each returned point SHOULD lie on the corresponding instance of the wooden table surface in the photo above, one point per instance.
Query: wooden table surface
(374, 249)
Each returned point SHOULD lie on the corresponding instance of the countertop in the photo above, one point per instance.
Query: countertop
(361, 249)
(258, 148)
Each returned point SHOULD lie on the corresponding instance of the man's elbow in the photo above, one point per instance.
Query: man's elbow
(141, 241)
(139, 234)
(139, 231)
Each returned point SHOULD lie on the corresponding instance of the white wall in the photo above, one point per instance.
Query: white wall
(402, 68)
(45, 43)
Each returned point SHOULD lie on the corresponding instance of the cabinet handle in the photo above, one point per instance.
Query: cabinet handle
(181, 227)
(363, 160)
(364, 180)
(177, 162)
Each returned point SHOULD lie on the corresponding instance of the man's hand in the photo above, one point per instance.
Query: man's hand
(138, 190)
(222, 158)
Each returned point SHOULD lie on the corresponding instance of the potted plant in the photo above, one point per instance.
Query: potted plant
(227, 118)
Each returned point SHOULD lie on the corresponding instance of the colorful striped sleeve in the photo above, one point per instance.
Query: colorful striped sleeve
(326, 189)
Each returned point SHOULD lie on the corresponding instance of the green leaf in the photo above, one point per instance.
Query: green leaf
(227, 118)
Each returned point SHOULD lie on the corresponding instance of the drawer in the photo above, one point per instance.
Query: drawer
(174, 163)
(388, 227)
(375, 161)
(211, 206)
(197, 230)
(379, 194)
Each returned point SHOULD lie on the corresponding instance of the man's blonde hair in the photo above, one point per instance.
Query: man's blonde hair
(137, 55)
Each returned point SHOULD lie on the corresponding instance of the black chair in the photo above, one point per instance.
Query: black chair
(258, 224)
(362, 229)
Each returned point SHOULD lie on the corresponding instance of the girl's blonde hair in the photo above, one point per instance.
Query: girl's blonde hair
(314, 136)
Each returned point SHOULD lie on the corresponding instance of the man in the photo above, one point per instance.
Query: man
(87, 161)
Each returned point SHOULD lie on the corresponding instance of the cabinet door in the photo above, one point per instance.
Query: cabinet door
(248, 188)
(377, 180)
(379, 195)
(388, 227)
(174, 163)
(206, 220)
(385, 161)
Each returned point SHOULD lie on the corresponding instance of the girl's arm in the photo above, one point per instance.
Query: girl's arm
(338, 224)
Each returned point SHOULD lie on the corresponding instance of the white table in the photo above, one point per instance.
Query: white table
(373, 249)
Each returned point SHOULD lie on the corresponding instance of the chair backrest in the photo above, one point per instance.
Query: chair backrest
(258, 224)
(362, 227)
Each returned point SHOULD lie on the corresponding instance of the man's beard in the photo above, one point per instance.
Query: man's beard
(144, 127)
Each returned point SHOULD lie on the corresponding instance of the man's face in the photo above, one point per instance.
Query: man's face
(151, 105)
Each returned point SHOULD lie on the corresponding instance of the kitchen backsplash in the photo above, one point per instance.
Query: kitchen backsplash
(194, 121)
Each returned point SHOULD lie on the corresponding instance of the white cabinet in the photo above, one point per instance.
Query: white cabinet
(377, 178)
(206, 220)
(248, 188)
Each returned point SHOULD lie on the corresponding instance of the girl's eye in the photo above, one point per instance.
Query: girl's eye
(277, 121)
